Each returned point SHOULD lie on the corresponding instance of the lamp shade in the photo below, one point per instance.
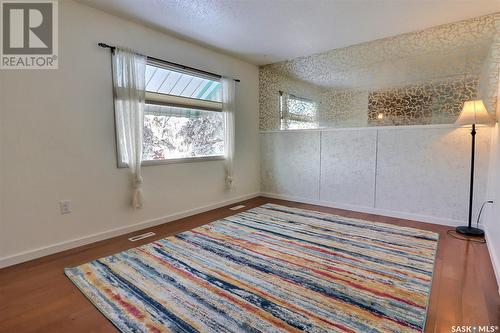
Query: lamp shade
(474, 112)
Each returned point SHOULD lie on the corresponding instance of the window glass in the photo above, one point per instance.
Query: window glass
(297, 113)
(175, 132)
(179, 83)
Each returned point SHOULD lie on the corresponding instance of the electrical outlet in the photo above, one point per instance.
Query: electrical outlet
(65, 206)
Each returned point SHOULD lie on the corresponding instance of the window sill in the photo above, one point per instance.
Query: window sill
(177, 160)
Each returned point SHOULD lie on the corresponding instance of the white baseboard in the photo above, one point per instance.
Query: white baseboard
(66, 245)
(494, 257)
(370, 210)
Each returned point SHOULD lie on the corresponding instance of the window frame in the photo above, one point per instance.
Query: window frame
(154, 98)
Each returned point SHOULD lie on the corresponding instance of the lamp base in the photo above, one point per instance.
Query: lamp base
(470, 231)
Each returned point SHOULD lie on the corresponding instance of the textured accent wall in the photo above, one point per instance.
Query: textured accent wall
(490, 74)
(415, 78)
(418, 104)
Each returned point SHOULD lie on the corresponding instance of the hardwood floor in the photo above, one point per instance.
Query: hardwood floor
(37, 297)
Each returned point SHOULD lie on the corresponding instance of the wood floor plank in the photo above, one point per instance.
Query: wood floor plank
(37, 297)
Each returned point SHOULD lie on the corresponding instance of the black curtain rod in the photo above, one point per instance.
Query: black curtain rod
(112, 48)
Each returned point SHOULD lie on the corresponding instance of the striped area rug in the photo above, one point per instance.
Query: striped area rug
(269, 269)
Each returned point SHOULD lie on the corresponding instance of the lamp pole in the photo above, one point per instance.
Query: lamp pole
(473, 154)
(469, 230)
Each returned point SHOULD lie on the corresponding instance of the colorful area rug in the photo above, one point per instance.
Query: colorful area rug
(269, 269)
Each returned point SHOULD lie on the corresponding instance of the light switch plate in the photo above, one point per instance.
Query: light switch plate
(65, 206)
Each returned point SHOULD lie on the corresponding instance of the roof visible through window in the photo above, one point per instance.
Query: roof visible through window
(166, 81)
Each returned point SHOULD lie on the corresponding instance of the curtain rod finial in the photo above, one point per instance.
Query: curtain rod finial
(106, 46)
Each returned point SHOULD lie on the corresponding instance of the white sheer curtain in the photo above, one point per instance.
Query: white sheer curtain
(228, 108)
(129, 85)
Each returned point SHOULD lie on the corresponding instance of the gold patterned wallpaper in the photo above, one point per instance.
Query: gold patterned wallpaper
(420, 104)
(415, 78)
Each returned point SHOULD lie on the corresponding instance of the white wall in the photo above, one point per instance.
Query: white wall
(415, 172)
(492, 212)
(57, 141)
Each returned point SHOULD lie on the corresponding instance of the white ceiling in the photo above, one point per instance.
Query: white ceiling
(267, 31)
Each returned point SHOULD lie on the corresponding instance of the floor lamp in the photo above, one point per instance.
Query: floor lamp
(473, 113)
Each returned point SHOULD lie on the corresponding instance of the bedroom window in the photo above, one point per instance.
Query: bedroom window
(297, 112)
(183, 116)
